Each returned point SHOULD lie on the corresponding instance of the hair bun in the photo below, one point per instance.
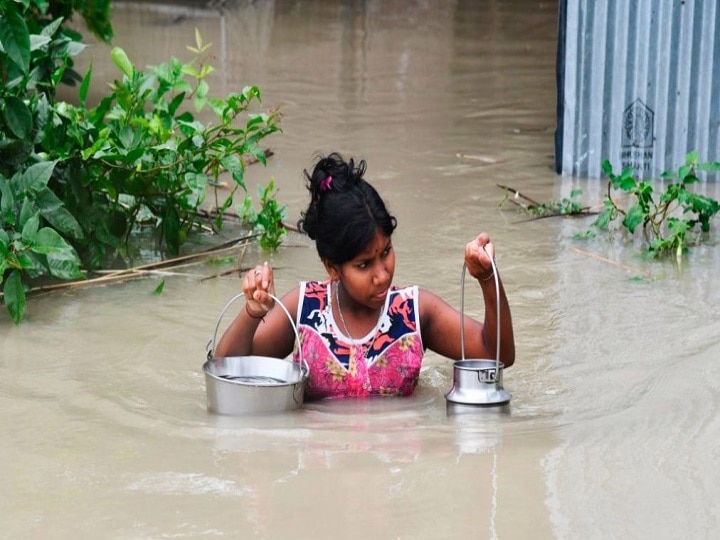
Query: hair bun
(333, 173)
(344, 210)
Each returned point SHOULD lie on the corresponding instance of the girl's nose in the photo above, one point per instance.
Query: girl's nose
(381, 275)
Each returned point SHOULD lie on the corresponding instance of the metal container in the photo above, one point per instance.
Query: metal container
(243, 385)
(478, 381)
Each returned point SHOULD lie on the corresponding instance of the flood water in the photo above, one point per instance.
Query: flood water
(613, 427)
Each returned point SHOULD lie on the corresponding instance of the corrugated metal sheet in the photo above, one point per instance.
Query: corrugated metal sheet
(638, 84)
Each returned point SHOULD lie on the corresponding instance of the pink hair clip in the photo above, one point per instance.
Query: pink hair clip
(326, 184)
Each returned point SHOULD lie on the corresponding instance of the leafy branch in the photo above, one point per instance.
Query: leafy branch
(567, 206)
(669, 222)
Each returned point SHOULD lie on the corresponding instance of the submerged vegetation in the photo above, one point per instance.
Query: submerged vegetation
(567, 206)
(76, 181)
(669, 220)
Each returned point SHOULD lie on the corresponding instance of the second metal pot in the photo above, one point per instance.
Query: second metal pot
(242, 385)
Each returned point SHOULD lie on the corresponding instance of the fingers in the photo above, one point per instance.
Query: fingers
(479, 256)
(258, 286)
(262, 275)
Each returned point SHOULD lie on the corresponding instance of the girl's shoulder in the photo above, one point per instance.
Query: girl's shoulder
(404, 289)
(313, 287)
(403, 299)
(314, 290)
(312, 296)
(432, 304)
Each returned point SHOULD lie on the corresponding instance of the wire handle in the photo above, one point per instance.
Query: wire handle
(211, 350)
(462, 313)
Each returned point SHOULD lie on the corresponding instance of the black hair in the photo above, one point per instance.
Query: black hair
(344, 210)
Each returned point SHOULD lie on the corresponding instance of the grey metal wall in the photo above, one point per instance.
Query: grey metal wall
(638, 84)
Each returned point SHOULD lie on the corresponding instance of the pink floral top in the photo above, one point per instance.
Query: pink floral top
(385, 362)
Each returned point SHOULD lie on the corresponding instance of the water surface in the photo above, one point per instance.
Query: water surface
(613, 426)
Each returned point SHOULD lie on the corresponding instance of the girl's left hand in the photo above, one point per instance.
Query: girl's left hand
(478, 253)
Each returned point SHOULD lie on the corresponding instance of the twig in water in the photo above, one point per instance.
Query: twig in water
(614, 263)
(518, 194)
(136, 271)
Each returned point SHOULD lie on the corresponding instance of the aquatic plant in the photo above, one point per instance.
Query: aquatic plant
(269, 219)
(153, 159)
(76, 181)
(567, 206)
(669, 220)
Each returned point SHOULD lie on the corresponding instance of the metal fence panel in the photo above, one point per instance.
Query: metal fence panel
(638, 84)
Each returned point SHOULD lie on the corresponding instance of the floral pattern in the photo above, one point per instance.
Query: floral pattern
(341, 368)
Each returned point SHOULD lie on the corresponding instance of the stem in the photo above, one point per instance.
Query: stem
(609, 196)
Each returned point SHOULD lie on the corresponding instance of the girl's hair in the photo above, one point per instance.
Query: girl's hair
(344, 210)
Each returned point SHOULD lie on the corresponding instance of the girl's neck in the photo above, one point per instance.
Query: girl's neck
(358, 319)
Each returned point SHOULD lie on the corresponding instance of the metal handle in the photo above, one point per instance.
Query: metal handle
(301, 360)
(462, 313)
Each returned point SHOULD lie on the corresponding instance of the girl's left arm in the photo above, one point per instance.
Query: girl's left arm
(440, 322)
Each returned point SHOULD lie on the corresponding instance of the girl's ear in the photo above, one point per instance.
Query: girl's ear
(332, 270)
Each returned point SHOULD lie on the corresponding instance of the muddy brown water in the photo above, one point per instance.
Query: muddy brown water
(613, 426)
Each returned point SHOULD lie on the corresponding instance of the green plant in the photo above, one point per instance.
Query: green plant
(139, 157)
(269, 219)
(36, 52)
(26, 247)
(36, 229)
(670, 221)
(150, 156)
(35, 56)
(564, 207)
(567, 206)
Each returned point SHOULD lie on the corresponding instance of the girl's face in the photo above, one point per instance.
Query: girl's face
(367, 277)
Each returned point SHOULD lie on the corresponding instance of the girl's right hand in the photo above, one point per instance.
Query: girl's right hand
(258, 285)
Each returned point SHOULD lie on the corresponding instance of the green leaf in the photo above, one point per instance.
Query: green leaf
(626, 181)
(64, 265)
(30, 264)
(27, 211)
(62, 220)
(160, 287)
(677, 227)
(14, 296)
(30, 229)
(17, 117)
(188, 69)
(15, 39)
(634, 217)
(46, 200)
(202, 89)
(47, 241)
(236, 167)
(51, 28)
(84, 86)
(37, 175)
(684, 171)
(712, 166)
(121, 60)
(7, 203)
(38, 42)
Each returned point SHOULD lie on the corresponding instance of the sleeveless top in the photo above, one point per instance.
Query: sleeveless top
(384, 362)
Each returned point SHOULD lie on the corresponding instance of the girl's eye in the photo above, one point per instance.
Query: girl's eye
(363, 265)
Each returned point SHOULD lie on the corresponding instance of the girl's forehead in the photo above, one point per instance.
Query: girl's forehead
(376, 245)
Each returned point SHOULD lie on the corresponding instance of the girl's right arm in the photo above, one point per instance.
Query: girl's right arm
(259, 329)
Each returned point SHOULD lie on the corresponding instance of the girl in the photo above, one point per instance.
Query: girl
(360, 334)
